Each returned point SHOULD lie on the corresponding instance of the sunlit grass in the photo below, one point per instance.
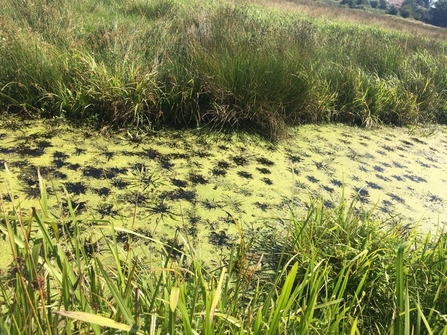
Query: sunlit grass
(257, 66)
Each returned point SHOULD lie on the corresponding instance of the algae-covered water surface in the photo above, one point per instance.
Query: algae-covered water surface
(200, 183)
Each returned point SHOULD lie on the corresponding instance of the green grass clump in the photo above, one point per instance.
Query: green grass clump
(333, 271)
(249, 66)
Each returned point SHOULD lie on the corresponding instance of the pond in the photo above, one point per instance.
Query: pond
(200, 183)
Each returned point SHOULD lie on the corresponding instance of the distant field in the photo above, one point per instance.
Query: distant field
(328, 12)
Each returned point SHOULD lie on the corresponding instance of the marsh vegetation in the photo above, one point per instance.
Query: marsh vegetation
(218, 64)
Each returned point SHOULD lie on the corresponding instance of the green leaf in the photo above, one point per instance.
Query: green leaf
(120, 300)
(217, 295)
(424, 319)
(230, 319)
(355, 329)
(400, 294)
(43, 194)
(173, 298)
(99, 320)
(283, 300)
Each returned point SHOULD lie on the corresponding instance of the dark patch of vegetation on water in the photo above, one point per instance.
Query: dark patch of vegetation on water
(240, 160)
(218, 172)
(180, 194)
(76, 188)
(245, 174)
(267, 181)
(263, 170)
(265, 161)
(220, 239)
(196, 178)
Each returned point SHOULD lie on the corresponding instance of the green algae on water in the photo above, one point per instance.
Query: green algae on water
(199, 183)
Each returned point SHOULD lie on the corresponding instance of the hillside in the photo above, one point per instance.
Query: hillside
(331, 10)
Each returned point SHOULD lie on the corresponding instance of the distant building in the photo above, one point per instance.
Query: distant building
(396, 3)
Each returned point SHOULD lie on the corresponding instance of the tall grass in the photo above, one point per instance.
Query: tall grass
(220, 64)
(333, 271)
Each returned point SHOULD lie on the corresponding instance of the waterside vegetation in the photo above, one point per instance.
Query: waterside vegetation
(331, 271)
(219, 64)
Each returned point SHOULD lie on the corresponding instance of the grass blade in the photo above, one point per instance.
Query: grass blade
(120, 300)
(282, 301)
(400, 294)
(99, 320)
(173, 298)
(217, 295)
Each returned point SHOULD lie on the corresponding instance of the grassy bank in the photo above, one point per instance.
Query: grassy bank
(332, 271)
(258, 66)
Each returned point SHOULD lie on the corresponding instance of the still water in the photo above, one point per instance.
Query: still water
(161, 181)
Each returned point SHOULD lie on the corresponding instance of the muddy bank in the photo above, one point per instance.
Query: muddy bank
(197, 182)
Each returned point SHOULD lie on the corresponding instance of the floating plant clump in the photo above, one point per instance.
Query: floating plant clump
(240, 160)
(220, 239)
(196, 178)
(245, 174)
(263, 170)
(120, 184)
(265, 161)
(92, 172)
(218, 172)
(223, 165)
(179, 183)
(24, 150)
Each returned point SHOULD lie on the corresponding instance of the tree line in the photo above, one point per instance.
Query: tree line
(428, 11)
